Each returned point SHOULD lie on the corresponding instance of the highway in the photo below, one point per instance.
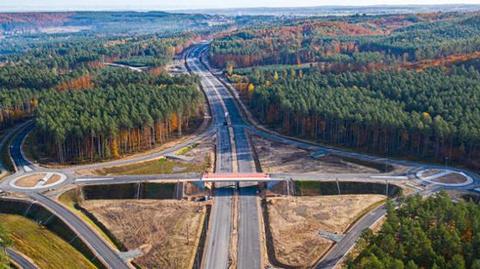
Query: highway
(217, 247)
(248, 248)
(20, 260)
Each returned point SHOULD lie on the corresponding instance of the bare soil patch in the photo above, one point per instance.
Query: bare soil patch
(295, 223)
(52, 179)
(281, 158)
(29, 181)
(431, 172)
(166, 231)
(452, 178)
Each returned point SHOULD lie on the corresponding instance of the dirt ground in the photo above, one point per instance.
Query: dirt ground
(167, 231)
(280, 158)
(30, 181)
(204, 151)
(295, 223)
(453, 178)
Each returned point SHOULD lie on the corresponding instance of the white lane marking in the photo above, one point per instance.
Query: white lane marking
(93, 179)
(27, 169)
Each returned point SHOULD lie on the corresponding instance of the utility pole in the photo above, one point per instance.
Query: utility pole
(288, 187)
(338, 186)
(386, 187)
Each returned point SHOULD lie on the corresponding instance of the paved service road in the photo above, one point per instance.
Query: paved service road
(21, 163)
(348, 241)
(20, 260)
(92, 239)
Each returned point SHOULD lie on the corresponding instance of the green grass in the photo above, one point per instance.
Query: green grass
(185, 150)
(70, 199)
(45, 248)
(160, 166)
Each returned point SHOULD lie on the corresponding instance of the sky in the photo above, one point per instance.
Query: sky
(33, 5)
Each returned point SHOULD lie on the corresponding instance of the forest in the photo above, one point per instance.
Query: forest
(424, 233)
(425, 115)
(85, 110)
(351, 42)
(132, 113)
(395, 85)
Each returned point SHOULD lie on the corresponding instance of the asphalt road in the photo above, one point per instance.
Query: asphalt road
(249, 254)
(20, 260)
(348, 241)
(218, 240)
(107, 255)
(21, 163)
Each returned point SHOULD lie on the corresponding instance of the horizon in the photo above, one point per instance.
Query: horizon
(147, 8)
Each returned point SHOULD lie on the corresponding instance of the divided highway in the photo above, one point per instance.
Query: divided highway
(218, 240)
(224, 110)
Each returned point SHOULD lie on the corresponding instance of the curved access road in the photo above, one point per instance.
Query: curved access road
(20, 260)
(97, 245)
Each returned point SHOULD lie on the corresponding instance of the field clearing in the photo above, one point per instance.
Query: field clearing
(45, 248)
(296, 222)
(167, 232)
(280, 158)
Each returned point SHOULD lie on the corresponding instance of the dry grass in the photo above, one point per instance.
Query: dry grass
(280, 158)
(295, 223)
(30, 181)
(166, 231)
(45, 248)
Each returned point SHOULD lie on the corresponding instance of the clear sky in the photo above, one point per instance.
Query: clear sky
(20, 5)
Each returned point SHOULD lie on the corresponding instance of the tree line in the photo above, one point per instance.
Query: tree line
(432, 114)
(432, 233)
(55, 81)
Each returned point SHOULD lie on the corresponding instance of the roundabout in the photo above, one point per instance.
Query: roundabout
(444, 177)
(35, 181)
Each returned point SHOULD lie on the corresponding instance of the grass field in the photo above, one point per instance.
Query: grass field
(45, 248)
(160, 166)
